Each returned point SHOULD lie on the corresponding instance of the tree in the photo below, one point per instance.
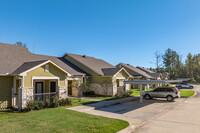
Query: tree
(172, 63)
(106, 84)
(158, 61)
(21, 44)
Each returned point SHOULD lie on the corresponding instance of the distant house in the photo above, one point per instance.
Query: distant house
(25, 76)
(101, 73)
(137, 74)
(154, 75)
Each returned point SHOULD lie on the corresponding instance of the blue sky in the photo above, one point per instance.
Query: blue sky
(128, 31)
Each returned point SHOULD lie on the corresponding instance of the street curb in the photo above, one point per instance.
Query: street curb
(129, 129)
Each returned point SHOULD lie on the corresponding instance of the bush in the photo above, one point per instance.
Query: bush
(89, 93)
(123, 94)
(54, 102)
(47, 103)
(65, 101)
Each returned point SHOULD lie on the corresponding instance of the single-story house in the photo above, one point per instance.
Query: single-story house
(136, 74)
(154, 75)
(25, 76)
(104, 79)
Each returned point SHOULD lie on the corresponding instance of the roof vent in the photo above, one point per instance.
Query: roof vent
(84, 56)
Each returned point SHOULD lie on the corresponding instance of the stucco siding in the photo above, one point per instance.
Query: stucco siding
(6, 84)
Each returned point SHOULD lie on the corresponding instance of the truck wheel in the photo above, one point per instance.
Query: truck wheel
(170, 98)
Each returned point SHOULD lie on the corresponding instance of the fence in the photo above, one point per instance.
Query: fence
(44, 96)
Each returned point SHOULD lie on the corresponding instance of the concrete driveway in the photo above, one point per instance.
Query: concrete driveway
(183, 118)
(131, 110)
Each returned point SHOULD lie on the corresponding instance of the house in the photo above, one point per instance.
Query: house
(136, 74)
(25, 76)
(104, 79)
(154, 75)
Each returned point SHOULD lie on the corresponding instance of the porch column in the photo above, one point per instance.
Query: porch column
(20, 93)
(141, 97)
(14, 91)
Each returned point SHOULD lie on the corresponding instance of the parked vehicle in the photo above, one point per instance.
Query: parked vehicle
(170, 93)
(184, 85)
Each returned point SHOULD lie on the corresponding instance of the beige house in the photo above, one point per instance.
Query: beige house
(104, 79)
(25, 76)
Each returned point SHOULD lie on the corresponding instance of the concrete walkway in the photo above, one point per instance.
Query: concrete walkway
(129, 109)
(183, 118)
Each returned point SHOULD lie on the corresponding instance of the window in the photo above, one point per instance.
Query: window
(117, 82)
(47, 68)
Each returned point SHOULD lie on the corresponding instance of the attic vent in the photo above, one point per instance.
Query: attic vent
(84, 56)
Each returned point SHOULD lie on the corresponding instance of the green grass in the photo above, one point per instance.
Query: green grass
(136, 92)
(59, 120)
(186, 93)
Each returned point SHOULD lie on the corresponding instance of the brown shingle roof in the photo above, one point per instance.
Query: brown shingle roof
(145, 69)
(13, 56)
(99, 66)
(133, 70)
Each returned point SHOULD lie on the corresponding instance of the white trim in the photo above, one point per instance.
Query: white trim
(120, 71)
(24, 73)
(44, 78)
(120, 78)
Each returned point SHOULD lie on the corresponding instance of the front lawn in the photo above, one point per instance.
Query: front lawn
(58, 120)
(186, 93)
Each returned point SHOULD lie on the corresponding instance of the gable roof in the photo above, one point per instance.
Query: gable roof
(13, 57)
(27, 66)
(145, 69)
(99, 66)
(155, 75)
(135, 72)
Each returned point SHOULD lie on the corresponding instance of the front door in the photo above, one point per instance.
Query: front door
(69, 87)
(38, 90)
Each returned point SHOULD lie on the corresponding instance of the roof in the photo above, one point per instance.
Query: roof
(110, 71)
(145, 69)
(99, 66)
(155, 75)
(151, 81)
(15, 58)
(165, 75)
(135, 72)
(27, 65)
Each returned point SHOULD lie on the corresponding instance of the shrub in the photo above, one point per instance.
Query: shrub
(123, 94)
(30, 105)
(65, 101)
(69, 101)
(89, 93)
(47, 103)
(54, 102)
(62, 102)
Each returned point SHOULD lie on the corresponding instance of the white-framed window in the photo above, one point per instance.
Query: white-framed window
(47, 68)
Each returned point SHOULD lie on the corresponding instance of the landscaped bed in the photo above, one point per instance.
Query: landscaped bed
(183, 93)
(187, 93)
(58, 120)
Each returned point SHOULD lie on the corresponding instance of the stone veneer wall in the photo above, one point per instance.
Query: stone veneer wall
(99, 90)
(26, 94)
(63, 93)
